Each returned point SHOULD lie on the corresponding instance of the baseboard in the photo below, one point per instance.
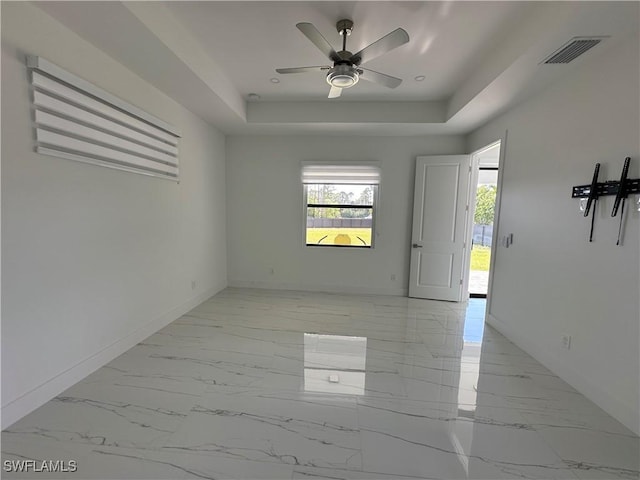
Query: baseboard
(21, 406)
(619, 410)
(305, 287)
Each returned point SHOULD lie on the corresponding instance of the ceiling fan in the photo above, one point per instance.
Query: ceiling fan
(346, 70)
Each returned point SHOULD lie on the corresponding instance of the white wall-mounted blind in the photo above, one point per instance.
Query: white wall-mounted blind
(360, 174)
(79, 121)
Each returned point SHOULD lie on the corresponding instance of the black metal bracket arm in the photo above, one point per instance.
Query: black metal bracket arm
(621, 189)
(592, 192)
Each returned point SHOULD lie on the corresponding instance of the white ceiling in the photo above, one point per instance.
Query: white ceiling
(435, 50)
(479, 58)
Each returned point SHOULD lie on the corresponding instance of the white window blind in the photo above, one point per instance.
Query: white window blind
(359, 174)
(79, 121)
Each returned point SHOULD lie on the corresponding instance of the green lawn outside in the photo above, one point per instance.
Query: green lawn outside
(480, 258)
(315, 234)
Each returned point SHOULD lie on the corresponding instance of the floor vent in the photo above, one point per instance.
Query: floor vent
(573, 49)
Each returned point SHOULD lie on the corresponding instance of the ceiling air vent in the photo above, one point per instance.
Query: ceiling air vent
(573, 49)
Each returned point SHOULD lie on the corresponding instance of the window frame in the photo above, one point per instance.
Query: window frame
(374, 207)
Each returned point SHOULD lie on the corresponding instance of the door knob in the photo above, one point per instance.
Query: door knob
(415, 245)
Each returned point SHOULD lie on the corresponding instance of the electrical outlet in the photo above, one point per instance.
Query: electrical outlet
(566, 341)
(193, 284)
(393, 278)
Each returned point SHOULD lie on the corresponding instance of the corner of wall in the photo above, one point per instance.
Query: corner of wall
(625, 414)
(21, 406)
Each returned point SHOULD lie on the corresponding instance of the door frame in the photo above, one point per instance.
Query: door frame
(473, 186)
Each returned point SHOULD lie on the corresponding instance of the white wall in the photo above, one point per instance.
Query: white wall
(266, 215)
(95, 259)
(552, 281)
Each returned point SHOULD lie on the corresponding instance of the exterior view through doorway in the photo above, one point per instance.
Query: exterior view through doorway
(485, 186)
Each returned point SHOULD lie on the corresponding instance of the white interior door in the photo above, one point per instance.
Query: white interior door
(439, 218)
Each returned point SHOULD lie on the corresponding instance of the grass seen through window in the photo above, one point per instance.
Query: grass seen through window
(357, 236)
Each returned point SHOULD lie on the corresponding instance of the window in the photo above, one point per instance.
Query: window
(340, 202)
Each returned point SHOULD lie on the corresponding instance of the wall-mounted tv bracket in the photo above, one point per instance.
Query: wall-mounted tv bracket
(621, 189)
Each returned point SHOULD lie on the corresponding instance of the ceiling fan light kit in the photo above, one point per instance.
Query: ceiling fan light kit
(346, 70)
(342, 76)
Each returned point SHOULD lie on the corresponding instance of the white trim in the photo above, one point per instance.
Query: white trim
(475, 167)
(17, 408)
(495, 240)
(468, 234)
(624, 413)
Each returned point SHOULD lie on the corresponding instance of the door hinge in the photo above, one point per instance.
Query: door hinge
(460, 281)
(466, 209)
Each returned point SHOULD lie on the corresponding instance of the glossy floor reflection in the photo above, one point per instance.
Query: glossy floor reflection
(294, 385)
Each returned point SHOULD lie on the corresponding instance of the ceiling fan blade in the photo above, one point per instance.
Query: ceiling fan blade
(380, 78)
(312, 33)
(302, 69)
(335, 92)
(381, 46)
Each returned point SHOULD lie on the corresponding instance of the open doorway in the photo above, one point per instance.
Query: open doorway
(486, 163)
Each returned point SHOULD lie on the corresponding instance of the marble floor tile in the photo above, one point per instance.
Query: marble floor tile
(19, 448)
(311, 473)
(293, 428)
(443, 441)
(259, 384)
(592, 450)
(156, 464)
(110, 415)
